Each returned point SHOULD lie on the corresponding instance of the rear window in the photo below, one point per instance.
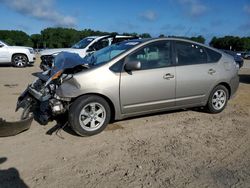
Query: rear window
(213, 56)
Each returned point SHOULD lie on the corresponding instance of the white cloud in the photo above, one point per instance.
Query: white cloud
(148, 16)
(246, 8)
(193, 8)
(42, 10)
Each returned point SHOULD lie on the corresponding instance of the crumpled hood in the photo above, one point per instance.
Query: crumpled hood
(56, 50)
(66, 60)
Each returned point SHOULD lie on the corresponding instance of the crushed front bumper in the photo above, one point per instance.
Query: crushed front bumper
(14, 128)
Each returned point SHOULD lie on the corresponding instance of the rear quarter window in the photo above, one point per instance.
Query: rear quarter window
(213, 56)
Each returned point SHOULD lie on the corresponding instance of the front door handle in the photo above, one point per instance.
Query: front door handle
(168, 76)
(211, 71)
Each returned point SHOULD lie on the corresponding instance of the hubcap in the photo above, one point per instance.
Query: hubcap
(20, 61)
(92, 116)
(219, 99)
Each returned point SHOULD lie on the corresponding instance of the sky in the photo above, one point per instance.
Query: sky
(168, 17)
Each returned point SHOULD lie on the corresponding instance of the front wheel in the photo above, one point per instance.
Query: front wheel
(89, 115)
(19, 60)
(218, 99)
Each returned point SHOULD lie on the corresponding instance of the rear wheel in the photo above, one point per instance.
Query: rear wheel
(218, 99)
(89, 115)
(19, 60)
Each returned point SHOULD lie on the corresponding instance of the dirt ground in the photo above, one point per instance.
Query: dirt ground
(186, 148)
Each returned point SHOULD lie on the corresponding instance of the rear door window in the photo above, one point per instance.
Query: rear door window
(189, 53)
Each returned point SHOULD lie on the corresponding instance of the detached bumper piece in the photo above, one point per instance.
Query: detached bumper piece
(14, 128)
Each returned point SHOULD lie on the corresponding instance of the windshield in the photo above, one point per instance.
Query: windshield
(66, 60)
(83, 43)
(4, 43)
(106, 54)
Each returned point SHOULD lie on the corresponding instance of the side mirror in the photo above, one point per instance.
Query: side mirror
(132, 65)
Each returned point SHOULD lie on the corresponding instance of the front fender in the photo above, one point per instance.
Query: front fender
(71, 89)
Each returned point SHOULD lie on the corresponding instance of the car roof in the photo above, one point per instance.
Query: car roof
(116, 36)
(182, 40)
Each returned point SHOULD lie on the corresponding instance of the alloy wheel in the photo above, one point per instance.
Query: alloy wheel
(20, 61)
(219, 99)
(92, 116)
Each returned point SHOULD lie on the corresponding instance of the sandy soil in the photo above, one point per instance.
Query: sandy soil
(186, 148)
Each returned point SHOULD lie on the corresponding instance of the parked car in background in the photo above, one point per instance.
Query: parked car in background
(238, 59)
(18, 56)
(83, 47)
(131, 78)
(245, 55)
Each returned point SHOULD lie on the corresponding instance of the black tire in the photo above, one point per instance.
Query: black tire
(211, 104)
(82, 103)
(19, 60)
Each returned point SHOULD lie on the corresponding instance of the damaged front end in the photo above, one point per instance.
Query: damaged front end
(39, 100)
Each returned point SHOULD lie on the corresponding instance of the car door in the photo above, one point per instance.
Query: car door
(194, 75)
(153, 86)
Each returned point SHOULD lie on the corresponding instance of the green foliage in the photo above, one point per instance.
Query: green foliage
(65, 37)
(231, 43)
(14, 37)
(246, 41)
(199, 39)
(37, 40)
(130, 34)
(145, 35)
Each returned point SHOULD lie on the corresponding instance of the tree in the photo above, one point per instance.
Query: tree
(246, 41)
(65, 37)
(231, 43)
(130, 34)
(145, 35)
(37, 40)
(199, 39)
(15, 37)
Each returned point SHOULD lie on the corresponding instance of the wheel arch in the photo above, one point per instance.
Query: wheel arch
(19, 54)
(226, 85)
(109, 101)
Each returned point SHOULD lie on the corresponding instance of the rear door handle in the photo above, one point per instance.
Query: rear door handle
(211, 71)
(168, 76)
